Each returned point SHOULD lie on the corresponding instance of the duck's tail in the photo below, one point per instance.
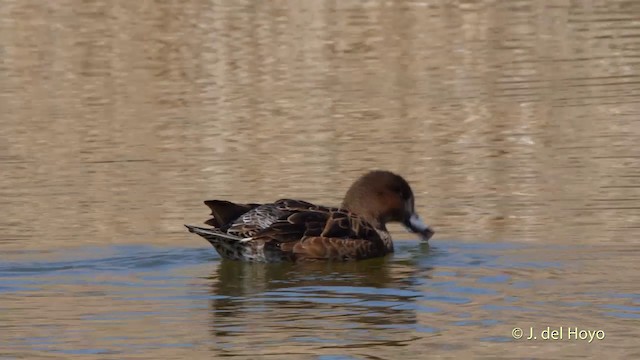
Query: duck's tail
(215, 236)
(224, 212)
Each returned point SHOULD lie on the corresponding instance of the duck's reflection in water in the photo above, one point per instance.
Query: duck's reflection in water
(284, 308)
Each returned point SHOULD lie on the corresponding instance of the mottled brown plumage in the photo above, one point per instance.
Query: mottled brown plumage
(295, 230)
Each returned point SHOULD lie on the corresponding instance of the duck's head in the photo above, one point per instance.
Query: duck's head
(381, 197)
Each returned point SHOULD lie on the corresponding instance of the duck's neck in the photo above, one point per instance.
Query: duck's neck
(371, 216)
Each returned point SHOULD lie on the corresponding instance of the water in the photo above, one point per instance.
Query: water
(515, 122)
(143, 301)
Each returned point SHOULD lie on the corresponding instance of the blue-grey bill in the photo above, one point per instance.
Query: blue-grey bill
(415, 224)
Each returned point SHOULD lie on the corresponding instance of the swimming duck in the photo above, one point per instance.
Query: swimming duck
(296, 230)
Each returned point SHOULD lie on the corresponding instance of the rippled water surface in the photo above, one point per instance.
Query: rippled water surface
(515, 122)
(141, 301)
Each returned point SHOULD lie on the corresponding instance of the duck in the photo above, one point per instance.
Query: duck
(289, 230)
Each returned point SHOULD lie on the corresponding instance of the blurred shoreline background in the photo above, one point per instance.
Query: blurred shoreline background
(513, 120)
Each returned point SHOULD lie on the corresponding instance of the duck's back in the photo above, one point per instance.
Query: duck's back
(294, 219)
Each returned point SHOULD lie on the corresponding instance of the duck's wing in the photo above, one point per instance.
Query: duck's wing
(256, 220)
(297, 220)
(314, 232)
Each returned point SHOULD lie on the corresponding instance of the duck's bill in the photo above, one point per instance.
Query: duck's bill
(416, 225)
